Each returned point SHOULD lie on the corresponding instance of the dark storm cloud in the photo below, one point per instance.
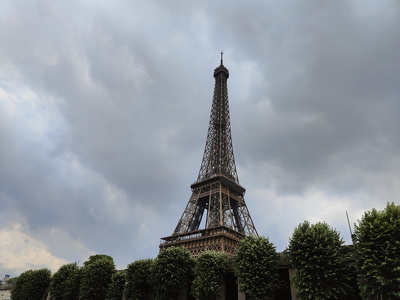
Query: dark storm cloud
(105, 106)
(112, 92)
(325, 105)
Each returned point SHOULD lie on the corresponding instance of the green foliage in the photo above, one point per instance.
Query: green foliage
(72, 285)
(116, 287)
(12, 280)
(323, 269)
(59, 280)
(93, 258)
(170, 272)
(377, 238)
(96, 276)
(255, 267)
(32, 285)
(16, 292)
(209, 271)
(138, 281)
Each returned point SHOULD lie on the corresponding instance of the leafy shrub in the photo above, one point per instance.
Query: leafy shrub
(117, 285)
(209, 271)
(316, 250)
(170, 272)
(31, 284)
(59, 280)
(72, 285)
(255, 267)
(138, 281)
(377, 238)
(96, 276)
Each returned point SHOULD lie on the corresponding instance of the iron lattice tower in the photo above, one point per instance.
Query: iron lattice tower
(217, 193)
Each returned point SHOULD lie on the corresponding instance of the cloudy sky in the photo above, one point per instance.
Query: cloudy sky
(104, 109)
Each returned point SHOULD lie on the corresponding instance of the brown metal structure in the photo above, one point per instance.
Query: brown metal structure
(217, 193)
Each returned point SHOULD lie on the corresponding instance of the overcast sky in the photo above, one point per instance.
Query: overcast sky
(104, 110)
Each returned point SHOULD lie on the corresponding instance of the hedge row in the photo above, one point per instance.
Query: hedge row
(325, 268)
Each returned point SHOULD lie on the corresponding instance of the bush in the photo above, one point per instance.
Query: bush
(255, 267)
(32, 285)
(116, 287)
(59, 280)
(72, 285)
(209, 271)
(170, 272)
(316, 250)
(138, 281)
(377, 238)
(96, 276)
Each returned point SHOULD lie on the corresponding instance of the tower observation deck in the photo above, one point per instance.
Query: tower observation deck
(217, 197)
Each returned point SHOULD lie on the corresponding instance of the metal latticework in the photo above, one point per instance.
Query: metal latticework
(218, 154)
(216, 194)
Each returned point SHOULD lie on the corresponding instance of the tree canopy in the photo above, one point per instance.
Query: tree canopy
(72, 285)
(170, 272)
(59, 279)
(96, 276)
(255, 267)
(377, 238)
(117, 285)
(209, 271)
(323, 270)
(31, 284)
(138, 279)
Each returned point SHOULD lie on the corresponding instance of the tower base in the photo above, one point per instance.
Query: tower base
(220, 238)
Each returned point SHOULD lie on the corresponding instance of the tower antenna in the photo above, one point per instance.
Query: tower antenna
(222, 53)
(348, 222)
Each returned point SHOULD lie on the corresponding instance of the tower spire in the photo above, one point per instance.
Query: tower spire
(222, 53)
(217, 193)
(218, 158)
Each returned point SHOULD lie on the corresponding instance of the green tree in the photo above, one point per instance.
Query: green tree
(170, 272)
(12, 280)
(138, 279)
(323, 270)
(59, 279)
(377, 238)
(255, 267)
(116, 287)
(72, 285)
(96, 276)
(17, 291)
(31, 284)
(209, 271)
(93, 258)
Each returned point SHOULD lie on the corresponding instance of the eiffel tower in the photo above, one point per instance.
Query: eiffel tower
(217, 194)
